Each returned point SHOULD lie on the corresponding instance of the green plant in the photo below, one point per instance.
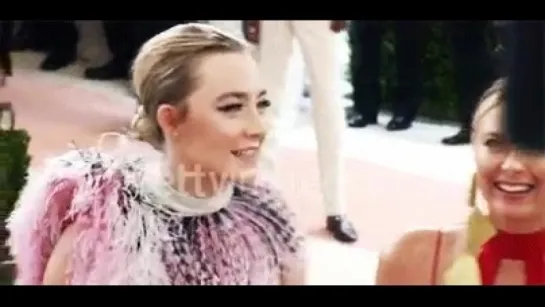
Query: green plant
(14, 163)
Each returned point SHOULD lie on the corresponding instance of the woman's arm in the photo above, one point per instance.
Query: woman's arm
(38, 222)
(409, 260)
(56, 270)
(35, 224)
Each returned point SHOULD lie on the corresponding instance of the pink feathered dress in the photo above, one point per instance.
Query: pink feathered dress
(128, 237)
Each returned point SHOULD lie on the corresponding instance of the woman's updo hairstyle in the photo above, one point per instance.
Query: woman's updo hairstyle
(164, 71)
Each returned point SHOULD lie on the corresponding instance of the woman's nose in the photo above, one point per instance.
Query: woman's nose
(256, 125)
(512, 162)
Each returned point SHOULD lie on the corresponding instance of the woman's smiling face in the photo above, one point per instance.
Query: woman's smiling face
(510, 180)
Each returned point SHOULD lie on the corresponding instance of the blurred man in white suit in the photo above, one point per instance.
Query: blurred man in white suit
(316, 39)
(295, 80)
(233, 27)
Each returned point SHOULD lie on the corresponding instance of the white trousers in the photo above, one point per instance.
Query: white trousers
(233, 27)
(319, 51)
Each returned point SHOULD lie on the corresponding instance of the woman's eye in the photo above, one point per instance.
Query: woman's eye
(263, 104)
(493, 143)
(233, 107)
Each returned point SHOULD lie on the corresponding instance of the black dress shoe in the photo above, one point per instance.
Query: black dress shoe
(398, 123)
(110, 71)
(349, 111)
(462, 137)
(56, 60)
(355, 120)
(306, 91)
(341, 229)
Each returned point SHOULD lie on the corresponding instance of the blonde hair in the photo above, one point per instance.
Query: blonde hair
(498, 88)
(164, 71)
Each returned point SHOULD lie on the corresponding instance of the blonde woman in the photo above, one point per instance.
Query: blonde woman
(503, 241)
(189, 214)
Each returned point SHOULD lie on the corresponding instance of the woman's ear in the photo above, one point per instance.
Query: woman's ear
(168, 118)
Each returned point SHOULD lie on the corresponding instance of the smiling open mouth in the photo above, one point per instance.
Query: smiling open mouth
(514, 188)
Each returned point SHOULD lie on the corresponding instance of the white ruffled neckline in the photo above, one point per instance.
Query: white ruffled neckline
(181, 202)
(154, 181)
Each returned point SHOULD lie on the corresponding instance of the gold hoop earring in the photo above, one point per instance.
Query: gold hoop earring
(472, 201)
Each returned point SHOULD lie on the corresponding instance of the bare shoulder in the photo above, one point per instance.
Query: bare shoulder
(410, 259)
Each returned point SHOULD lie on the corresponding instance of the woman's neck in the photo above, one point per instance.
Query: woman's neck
(184, 195)
(518, 226)
(196, 182)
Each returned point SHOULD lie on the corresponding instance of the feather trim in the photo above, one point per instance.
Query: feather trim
(125, 240)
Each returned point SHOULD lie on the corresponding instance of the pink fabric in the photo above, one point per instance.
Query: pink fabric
(123, 241)
(42, 232)
(47, 206)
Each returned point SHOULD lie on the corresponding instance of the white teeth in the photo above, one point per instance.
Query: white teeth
(514, 187)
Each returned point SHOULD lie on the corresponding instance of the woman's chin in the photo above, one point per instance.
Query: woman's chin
(515, 210)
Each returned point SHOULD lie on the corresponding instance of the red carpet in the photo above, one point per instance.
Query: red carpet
(382, 202)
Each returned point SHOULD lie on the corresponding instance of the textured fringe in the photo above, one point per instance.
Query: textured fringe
(87, 189)
(124, 241)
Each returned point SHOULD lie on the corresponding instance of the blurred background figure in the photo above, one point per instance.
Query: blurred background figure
(57, 39)
(473, 70)
(365, 37)
(295, 82)
(124, 38)
(233, 27)
(319, 49)
(6, 35)
(62, 43)
(502, 45)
